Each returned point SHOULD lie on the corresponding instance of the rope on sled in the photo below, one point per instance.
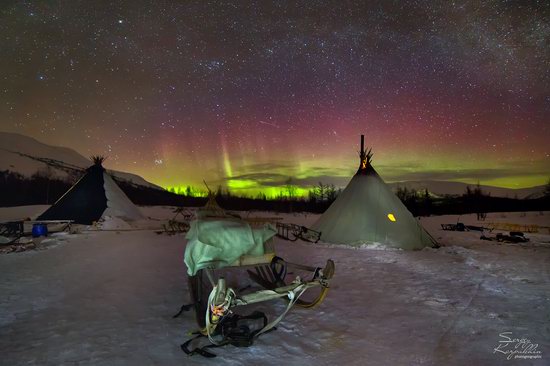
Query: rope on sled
(220, 320)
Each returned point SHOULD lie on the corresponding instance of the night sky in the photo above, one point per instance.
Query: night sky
(251, 93)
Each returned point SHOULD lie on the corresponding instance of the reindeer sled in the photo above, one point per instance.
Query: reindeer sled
(221, 248)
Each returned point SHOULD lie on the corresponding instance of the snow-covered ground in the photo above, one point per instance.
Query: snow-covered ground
(107, 298)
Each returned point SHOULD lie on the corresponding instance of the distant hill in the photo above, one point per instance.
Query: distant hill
(19, 154)
(441, 188)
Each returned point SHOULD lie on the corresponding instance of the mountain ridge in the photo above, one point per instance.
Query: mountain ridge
(20, 154)
(442, 188)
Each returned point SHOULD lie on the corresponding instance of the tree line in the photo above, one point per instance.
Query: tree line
(45, 188)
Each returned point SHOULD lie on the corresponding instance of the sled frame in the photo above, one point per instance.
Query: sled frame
(205, 280)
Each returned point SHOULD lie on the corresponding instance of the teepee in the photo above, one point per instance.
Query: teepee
(211, 209)
(93, 197)
(368, 212)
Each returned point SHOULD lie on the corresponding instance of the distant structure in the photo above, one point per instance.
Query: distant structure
(93, 197)
(212, 208)
(368, 212)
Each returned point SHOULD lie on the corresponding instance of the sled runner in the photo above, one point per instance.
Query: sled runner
(221, 249)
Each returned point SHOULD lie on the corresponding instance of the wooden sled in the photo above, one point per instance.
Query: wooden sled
(293, 232)
(179, 223)
(270, 276)
(12, 231)
(215, 298)
(514, 237)
(270, 272)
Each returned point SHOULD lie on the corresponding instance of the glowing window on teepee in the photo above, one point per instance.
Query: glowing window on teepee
(391, 217)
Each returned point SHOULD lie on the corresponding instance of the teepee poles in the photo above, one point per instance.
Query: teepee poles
(364, 155)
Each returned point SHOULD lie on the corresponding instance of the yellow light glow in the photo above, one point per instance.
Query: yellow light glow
(391, 217)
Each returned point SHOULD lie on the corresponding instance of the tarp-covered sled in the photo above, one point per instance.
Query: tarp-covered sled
(221, 248)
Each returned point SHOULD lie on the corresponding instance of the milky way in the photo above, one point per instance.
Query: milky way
(250, 94)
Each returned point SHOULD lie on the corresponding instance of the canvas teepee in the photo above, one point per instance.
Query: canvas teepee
(93, 197)
(211, 209)
(367, 211)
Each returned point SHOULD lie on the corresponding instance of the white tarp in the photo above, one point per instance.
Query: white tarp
(218, 243)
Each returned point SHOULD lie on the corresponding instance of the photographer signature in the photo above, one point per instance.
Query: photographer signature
(517, 347)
